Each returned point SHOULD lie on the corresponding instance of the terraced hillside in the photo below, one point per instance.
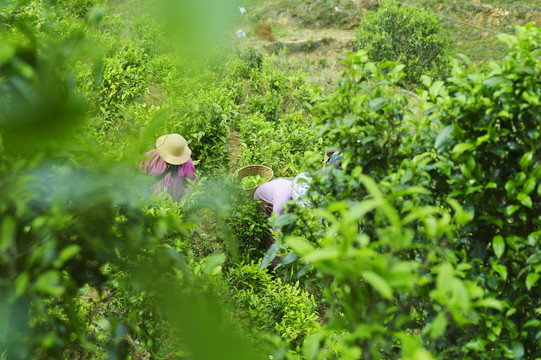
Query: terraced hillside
(315, 33)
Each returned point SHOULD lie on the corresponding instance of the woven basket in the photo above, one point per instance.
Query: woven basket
(252, 170)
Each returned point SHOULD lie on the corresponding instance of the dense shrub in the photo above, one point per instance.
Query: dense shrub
(79, 8)
(406, 35)
(67, 217)
(249, 227)
(272, 115)
(489, 152)
(203, 118)
(457, 218)
(279, 145)
(374, 260)
(422, 244)
(124, 78)
(116, 93)
(274, 306)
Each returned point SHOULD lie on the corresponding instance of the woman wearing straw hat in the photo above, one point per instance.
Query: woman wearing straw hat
(170, 163)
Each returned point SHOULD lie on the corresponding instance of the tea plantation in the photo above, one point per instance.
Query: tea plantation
(422, 242)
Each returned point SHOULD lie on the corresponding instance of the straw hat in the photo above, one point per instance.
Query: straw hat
(173, 148)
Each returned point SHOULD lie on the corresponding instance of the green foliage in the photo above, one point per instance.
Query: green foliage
(249, 182)
(489, 152)
(272, 118)
(279, 145)
(124, 79)
(444, 221)
(68, 248)
(376, 126)
(248, 226)
(251, 60)
(79, 8)
(423, 243)
(203, 117)
(69, 216)
(406, 35)
(274, 306)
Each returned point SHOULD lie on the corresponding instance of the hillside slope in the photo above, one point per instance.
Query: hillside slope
(318, 32)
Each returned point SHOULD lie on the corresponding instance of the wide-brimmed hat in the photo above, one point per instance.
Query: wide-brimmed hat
(299, 189)
(173, 148)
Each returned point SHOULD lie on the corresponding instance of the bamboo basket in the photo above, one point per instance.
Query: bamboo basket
(252, 170)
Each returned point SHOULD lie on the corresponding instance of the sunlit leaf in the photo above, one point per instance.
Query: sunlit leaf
(379, 283)
(270, 255)
(498, 244)
(531, 280)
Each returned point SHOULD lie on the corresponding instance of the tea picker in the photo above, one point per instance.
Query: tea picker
(170, 163)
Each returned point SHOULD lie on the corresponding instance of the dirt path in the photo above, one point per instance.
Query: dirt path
(314, 44)
(233, 148)
(315, 31)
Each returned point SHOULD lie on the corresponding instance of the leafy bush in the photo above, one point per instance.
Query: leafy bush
(376, 263)
(425, 238)
(251, 60)
(439, 233)
(116, 95)
(406, 35)
(374, 125)
(67, 217)
(203, 118)
(249, 227)
(125, 78)
(489, 152)
(274, 306)
(79, 8)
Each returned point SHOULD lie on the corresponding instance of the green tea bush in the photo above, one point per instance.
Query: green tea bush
(260, 87)
(278, 145)
(116, 94)
(203, 118)
(248, 226)
(68, 216)
(374, 261)
(374, 125)
(434, 223)
(125, 78)
(489, 153)
(248, 63)
(67, 243)
(79, 8)
(274, 306)
(406, 35)
(271, 113)
(30, 13)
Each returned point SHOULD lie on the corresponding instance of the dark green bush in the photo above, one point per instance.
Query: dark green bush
(252, 60)
(406, 35)
(447, 232)
(374, 261)
(249, 227)
(68, 216)
(490, 155)
(374, 125)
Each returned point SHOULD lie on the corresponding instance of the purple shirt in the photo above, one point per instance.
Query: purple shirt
(275, 192)
(174, 185)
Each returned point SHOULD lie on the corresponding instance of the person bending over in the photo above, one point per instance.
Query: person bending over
(170, 163)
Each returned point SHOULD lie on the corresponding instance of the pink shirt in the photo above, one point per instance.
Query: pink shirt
(173, 185)
(275, 192)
